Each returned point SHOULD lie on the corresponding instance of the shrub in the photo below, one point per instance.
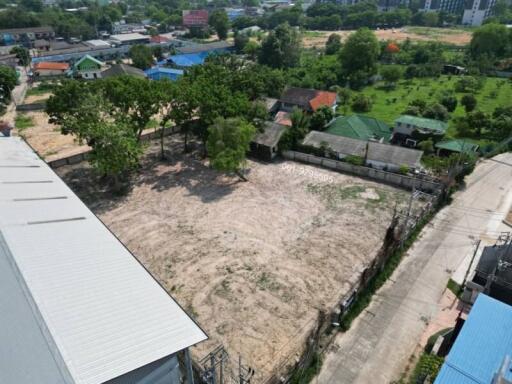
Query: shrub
(361, 103)
(469, 102)
(354, 160)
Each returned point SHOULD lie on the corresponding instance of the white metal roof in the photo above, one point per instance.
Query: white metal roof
(104, 313)
(123, 37)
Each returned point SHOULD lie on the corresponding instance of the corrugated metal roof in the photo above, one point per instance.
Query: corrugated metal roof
(423, 123)
(359, 127)
(105, 314)
(384, 153)
(188, 59)
(482, 345)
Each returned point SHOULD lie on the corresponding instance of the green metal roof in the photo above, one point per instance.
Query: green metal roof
(457, 145)
(360, 127)
(423, 123)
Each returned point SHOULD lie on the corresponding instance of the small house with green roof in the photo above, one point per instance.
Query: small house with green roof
(410, 130)
(360, 127)
(88, 68)
(448, 147)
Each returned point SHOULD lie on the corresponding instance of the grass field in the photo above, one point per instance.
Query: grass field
(390, 104)
(23, 122)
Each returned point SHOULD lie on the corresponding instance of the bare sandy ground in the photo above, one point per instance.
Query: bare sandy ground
(399, 34)
(253, 261)
(47, 139)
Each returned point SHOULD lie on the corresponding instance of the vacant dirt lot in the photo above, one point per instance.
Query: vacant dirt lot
(252, 261)
(458, 37)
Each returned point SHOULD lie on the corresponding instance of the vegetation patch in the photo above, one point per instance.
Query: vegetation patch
(23, 121)
(427, 366)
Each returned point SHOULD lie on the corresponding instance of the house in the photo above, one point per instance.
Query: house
(98, 44)
(377, 155)
(271, 105)
(187, 60)
(26, 36)
(41, 44)
(88, 68)
(214, 47)
(196, 18)
(483, 348)
(122, 69)
(77, 307)
(409, 129)
(264, 144)
(159, 39)
(360, 127)
(309, 100)
(448, 147)
(49, 68)
(492, 275)
(283, 118)
(451, 69)
(129, 39)
(120, 27)
(159, 73)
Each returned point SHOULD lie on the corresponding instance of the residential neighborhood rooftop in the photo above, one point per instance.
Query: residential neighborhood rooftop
(308, 98)
(196, 48)
(482, 345)
(122, 69)
(457, 145)
(76, 305)
(385, 153)
(51, 65)
(271, 134)
(423, 123)
(360, 127)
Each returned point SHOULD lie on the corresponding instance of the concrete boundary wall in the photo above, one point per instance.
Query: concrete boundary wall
(82, 156)
(402, 181)
(31, 107)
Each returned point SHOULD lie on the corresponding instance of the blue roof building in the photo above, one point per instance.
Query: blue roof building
(481, 353)
(188, 59)
(159, 73)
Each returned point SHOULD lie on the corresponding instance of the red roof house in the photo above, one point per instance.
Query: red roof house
(308, 100)
(49, 68)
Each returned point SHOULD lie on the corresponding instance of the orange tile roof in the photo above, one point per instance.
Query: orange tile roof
(322, 98)
(159, 39)
(283, 118)
(48, 65)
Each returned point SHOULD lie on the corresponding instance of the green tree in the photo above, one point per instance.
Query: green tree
(333, 44)
(344, 96)
(391, 74)
(426, 146)
(490, 40)
(281, 48)
(359, 57)
(450, 102)
(321, 117)
(8, 81)
(361, 103)
(241, 40)
(142, 56)
(219, 21)
(436, 111)
(251, 49)
(469, 102)
(228, 143)
(22, 54)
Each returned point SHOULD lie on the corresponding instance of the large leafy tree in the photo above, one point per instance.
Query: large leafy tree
(333, 44)
(490, 40)
(219, 21)
(22, 54)
(359, 57)
(281, 48)
(228, 143)
(8, 81)
(141, 55)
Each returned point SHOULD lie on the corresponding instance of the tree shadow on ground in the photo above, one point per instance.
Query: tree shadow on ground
(177, 170)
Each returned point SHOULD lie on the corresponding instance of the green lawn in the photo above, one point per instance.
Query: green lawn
(23, 122)
(388, 105)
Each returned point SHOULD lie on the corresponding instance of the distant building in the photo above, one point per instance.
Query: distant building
(129, 39)
(264, 144)
(409, 129)
(88, 68)
(197, 54)
(122, 69)
(11, 60)
(197, 18)
(360, 127)
(49, 68)
(187, 60)
(308, 100)
(25, 36)
(235, 13)
(476, 11)
(98, 44)
(492, 275)
(119, 28)
(387, 5)
(159, 73)
(449, 6)
(76, 306)
(214, 47)
(378, 155)
(483, 349)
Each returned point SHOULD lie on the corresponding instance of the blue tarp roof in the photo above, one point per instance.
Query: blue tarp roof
(188, 59)
(172, 71)
(481, 347)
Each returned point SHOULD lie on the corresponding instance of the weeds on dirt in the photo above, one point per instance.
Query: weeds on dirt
(305, 375)
(23, 122)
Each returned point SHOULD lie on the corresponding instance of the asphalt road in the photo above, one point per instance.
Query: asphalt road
(377, 347)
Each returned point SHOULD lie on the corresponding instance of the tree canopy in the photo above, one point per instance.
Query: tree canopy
(281, 48)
